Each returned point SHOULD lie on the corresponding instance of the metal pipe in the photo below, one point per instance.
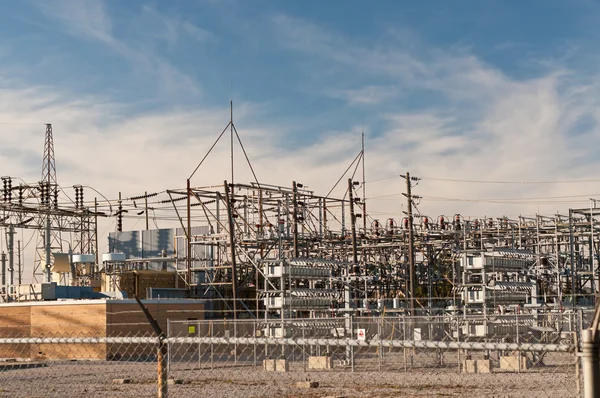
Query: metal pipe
(591, 364)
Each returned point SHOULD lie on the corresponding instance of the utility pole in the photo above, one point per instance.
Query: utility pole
(295, 216)
(353, 227)
(411, 244)
(19, 263)
(188, 273)
(146, 207)
(230, 215)
(11, 253)
(364, 187)
(3, 260)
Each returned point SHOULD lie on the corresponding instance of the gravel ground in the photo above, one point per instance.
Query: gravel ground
(74, 379)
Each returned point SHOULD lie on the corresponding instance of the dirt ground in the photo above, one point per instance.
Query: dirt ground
(96, 379)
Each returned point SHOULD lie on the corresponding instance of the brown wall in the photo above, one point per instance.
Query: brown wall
(15, 322)
(87, 320)
(111, 319)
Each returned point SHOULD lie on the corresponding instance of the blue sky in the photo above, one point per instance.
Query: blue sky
(500, 90)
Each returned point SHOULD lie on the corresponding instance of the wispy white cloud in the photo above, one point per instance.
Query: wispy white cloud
(367, 95)
(91, 20)
(171, 28)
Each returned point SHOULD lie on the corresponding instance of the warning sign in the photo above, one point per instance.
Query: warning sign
(191, 329)
(360, 334)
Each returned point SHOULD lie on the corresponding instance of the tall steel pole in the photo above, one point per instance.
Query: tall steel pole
(189, 236)
(11, 253)
(146, 207)
(411, 244)
(229, 200)
(20, 270)
(295, 220)
(353, 228)
(3, 260)
(364, 187)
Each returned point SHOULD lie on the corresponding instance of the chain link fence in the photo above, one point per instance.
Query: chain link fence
(499, 355)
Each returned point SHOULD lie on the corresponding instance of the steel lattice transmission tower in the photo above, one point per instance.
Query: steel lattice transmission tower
(49, 164)
(50, 238)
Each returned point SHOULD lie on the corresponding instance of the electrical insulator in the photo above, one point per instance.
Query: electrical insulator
(20, 194)
(405, 222)
(120, 219)
(42, 193)
(426, 223)
(76, 197)
(457, 222)
(390, 226)
(9, 189)
(442, 223)
(376, 227)
(476, 224)
(56, 198)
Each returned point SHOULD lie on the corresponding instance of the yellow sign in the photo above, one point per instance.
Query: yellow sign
(191, 329)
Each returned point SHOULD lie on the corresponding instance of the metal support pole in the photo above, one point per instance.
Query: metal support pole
(3, 260)
(11, 253)
(189, 236)
(47, 239)
(591, 365)
(146, 207)
(295, 216)
(572, 258)
(229, 199)
(411, 254)
(20, 270)
(356, 269)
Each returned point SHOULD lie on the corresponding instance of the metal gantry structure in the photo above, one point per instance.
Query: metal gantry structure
(368, 270)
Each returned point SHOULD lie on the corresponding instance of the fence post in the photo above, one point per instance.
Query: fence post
(163, 374)
(212, 349)
(168, 346)
(458, 340)
(254, 337)
(591, 364)
(352, 337)
(518, 341)
(405, 339)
